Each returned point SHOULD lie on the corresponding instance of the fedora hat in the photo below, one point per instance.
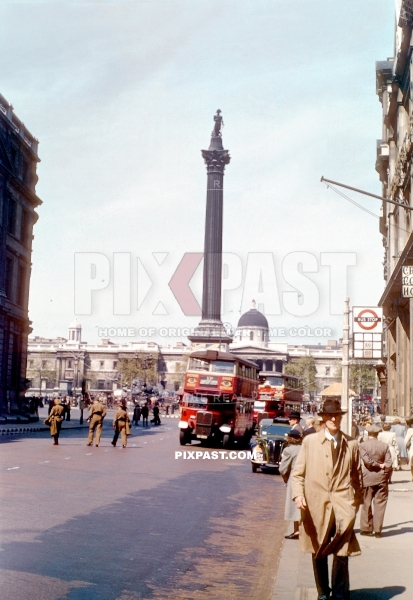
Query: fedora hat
(295, 415)
(331, 406)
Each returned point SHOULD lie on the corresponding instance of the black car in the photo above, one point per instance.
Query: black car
(269, 443)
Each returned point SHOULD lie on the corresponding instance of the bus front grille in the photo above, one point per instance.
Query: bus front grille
(203, 424)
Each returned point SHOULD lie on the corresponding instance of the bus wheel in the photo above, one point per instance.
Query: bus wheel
(183, 437)
(226, 440)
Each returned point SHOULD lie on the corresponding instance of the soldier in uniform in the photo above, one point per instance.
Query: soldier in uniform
(97, 413)
(54, 420)
(121, 425)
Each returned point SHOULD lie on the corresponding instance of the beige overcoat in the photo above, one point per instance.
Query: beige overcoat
(326, 489)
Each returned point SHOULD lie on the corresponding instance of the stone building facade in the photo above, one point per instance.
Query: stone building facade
(18, 201)
(393, 164)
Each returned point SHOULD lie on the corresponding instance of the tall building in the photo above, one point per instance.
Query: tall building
(394, 155)
(18, 201)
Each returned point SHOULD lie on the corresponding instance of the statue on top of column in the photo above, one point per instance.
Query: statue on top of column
(218, 123)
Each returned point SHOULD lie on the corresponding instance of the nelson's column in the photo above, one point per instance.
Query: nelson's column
(211, 331)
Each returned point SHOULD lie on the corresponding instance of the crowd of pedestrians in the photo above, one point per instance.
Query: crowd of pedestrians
(58, 411)
(330, 476)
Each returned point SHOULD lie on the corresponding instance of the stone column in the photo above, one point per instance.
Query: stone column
(210, 329)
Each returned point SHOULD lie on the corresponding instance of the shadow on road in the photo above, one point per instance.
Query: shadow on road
(377, 593)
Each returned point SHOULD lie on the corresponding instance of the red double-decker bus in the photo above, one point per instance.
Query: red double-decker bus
(217, 403)
(278, 396)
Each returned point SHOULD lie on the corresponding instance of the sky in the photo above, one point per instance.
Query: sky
(121, 96)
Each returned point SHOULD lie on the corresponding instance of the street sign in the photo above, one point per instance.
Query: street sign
(367, 331)
(407, 282)
(367, 319)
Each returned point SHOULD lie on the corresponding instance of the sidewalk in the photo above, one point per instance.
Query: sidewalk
(14, 429)
(382, 572)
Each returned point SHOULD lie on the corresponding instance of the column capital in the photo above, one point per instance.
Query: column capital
(216, 160)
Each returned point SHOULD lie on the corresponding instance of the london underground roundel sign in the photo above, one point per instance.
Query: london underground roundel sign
(368, 319)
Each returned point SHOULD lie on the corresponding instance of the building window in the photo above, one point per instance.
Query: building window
(101, 364)
(328, 370)
(9, 278)
(24, 227)
(101, 384)
(115, 364)
(11, 217)
(69, 364)
(44, 364)
(260, 365)
(26, 172)
(268, 365)
(251, 335)
(31, 363)
(21, 285)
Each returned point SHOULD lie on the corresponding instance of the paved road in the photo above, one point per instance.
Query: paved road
(108, 523)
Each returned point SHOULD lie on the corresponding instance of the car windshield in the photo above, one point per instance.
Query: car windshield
(275, 430)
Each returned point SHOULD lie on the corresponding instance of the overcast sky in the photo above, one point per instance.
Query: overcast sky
(121, 96)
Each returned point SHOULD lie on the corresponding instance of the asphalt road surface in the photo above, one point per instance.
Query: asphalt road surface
(87, 523)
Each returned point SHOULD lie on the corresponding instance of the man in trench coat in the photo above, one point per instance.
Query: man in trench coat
(327, 486)
(377, 468)
(97, 413)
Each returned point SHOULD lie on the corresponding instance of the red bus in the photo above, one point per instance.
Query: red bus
(217, 403)
(278, 396)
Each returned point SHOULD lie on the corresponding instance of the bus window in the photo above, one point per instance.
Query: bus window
(222, 366)
(195, 364)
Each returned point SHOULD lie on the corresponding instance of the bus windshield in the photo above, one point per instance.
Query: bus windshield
(273, 381)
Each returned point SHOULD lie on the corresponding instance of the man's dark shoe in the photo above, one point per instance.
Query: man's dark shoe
(323, 597)
(292, 536)
(378, 534)
(370, 533)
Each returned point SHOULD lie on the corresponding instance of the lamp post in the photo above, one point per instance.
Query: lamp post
(145, 364)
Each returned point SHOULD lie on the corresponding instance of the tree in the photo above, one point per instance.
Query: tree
(305, 369)
(134, 368)
(40, 368)
(362, 376)
(179, 373)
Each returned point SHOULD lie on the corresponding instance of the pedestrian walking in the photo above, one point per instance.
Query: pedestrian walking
(54, 420)
(288, 458)
(97, 413)
(408, 440)
(309, 426)
(156, 419)
(145, 413)
(327, 486)
(377, 468)
(400, 431)
(389, 437)
(294, 420)
(68, 407)
(121, 425)
(136, 415)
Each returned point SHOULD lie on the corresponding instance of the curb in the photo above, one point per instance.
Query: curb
(17, 430)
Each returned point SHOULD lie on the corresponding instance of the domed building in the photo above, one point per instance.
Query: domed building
(75, 331)
(251, 341)
(253, 327)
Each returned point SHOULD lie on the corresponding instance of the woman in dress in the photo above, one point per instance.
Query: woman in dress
(400, 431)
(288, 458)
(389, 437)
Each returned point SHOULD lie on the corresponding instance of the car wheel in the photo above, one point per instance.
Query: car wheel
(183, 437)
(254, 467)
